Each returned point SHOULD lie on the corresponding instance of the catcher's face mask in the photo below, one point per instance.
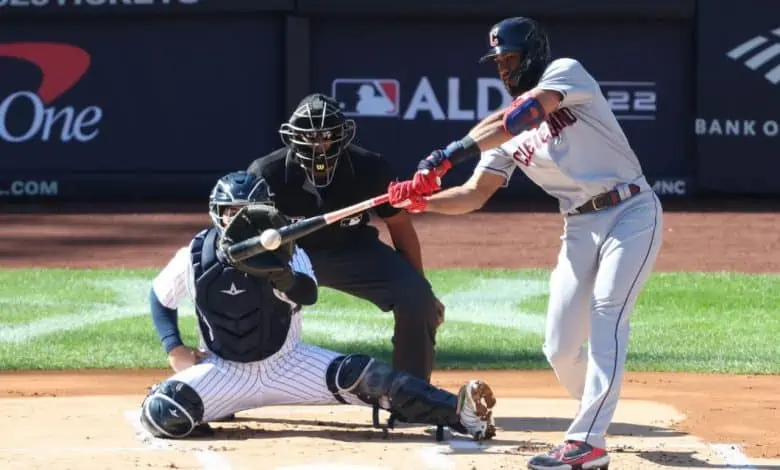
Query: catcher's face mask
(235, 191)
(317, 134)
(227, 213)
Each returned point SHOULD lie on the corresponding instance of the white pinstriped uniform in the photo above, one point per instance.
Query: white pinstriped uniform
(293, 375)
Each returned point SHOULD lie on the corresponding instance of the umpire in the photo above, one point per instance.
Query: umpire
(319, 170)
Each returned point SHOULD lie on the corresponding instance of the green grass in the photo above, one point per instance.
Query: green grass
(59, 319)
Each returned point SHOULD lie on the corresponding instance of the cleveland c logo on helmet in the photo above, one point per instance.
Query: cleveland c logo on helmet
(494, 37)
(526, 39)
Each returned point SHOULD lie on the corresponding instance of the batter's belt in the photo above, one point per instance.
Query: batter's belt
(608, 199)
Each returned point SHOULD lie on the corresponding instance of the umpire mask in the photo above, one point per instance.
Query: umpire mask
(316, 135)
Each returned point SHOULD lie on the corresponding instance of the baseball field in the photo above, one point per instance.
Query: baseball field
(78, 350)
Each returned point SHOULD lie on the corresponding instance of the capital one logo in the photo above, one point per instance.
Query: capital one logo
(758, 52)
(61, 66)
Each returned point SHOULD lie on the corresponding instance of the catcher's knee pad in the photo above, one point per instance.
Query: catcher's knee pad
(345, 375)
(171, 410)
(376, 383)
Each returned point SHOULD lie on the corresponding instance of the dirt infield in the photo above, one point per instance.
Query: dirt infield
(664, 421)
(85, 420)
(693, 241)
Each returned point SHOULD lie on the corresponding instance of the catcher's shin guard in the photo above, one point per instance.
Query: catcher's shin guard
(408, 398)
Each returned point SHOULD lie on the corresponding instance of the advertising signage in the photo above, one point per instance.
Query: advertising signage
(737, 124)
(133, 97)
(430, 89)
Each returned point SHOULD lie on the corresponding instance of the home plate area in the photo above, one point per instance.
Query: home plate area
(103, 432)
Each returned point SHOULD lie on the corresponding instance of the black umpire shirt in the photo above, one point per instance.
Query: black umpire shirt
(360, 175)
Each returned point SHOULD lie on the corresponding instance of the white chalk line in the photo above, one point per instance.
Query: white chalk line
(733, 456)
(492, 302)
(320, 466)
(141, 435)
(495, 302)
(437, 456)
(486, 301)
(131, 301)
(434, 459)
(459, 445)
(212, 461)
(208, 460)
(73, 450)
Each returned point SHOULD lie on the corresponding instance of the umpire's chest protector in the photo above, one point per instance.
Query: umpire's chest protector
(239, 316)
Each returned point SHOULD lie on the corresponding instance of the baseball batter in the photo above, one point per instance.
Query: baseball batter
(249, 317)
(561, 132)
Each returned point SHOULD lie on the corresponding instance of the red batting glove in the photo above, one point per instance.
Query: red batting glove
(403, 195)
(400, 192)
(417, 205)
(426, 182)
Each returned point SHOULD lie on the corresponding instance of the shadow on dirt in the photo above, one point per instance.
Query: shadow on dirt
(244, 428)
(688, 459)
(561, 425)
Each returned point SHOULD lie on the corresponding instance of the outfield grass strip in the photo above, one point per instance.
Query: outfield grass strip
(695, 322)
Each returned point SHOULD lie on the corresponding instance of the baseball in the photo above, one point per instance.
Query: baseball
(271, 239)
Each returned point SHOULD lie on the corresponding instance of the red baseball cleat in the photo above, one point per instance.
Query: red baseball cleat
(571, 455)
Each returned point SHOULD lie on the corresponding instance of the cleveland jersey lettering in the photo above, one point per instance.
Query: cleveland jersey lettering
(580, 151)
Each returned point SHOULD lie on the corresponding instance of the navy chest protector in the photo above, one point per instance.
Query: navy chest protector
(239, 316)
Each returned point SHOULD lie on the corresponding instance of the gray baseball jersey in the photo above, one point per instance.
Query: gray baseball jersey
(580, 150)
(606, 256)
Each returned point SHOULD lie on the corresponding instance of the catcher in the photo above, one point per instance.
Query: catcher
(249, 317)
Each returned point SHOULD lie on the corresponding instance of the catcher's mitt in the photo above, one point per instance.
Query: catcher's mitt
(249, 222)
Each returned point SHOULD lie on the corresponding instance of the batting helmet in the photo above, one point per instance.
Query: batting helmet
(316, 134)
(526, 37)
(237, 189)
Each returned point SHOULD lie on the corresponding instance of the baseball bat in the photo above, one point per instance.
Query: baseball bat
(252, 246)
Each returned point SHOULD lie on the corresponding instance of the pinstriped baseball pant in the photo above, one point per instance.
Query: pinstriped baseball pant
(294, 375)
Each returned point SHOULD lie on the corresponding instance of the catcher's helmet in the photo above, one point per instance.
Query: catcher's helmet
(526, 37)
(316, 135)
(238, 189)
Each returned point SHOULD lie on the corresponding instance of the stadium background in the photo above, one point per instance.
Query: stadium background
(178, 92)
(107, 105)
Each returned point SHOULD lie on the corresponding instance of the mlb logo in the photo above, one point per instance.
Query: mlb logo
(352, 221)
(377, 97)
